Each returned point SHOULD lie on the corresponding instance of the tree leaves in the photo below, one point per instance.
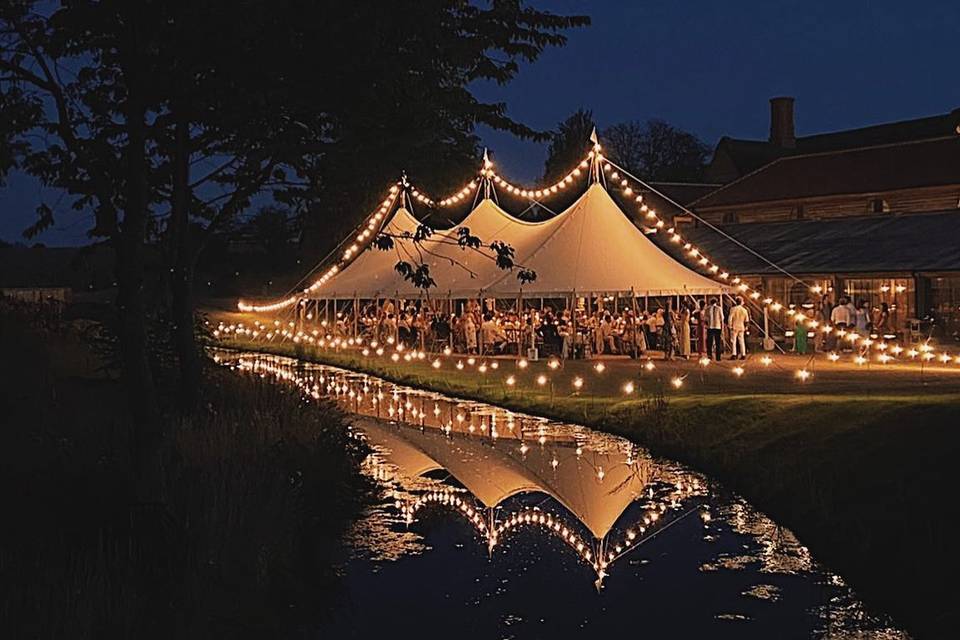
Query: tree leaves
(383, 242)
(465, 239)
(418, 275)
(503, 254)
(656, 150)
(568, 144)
(44, 221)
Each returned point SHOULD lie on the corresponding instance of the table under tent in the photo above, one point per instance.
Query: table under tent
(588, 255)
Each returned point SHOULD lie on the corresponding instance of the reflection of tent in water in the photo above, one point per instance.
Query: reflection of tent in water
(595, 487)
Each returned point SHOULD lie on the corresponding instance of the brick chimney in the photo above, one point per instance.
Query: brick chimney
(781, 122)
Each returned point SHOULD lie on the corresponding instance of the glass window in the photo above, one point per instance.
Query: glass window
(897, 293)
(945, 304)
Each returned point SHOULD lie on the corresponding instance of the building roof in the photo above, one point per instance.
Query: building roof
(868, 170)
(889, 133)
(883, 243)
(749, 155)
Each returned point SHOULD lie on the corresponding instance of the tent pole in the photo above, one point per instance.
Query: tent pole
(520, 323)
(480, 332)
(422, 314)
(356, 316)
(450, 318)
(573, 335)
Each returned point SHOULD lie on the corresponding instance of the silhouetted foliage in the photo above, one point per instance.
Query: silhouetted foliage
(656, 151)
(167, 119)
(568, 144)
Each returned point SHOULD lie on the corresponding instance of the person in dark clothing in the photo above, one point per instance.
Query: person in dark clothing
(667, 332)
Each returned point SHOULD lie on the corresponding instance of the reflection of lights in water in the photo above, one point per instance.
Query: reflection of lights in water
(670, 493)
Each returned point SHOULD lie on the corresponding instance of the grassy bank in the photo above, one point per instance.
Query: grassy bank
(862, 478)
(258, 490)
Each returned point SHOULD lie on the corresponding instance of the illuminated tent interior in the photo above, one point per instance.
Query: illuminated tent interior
(494, 473)
(591, 247)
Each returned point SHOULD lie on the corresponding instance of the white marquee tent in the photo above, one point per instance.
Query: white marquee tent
(591, 247)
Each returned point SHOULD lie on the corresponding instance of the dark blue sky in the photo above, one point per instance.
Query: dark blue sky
(706, 66)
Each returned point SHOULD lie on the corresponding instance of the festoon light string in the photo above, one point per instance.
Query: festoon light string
(887, 351)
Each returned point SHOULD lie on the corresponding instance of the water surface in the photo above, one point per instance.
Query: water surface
(496, 524)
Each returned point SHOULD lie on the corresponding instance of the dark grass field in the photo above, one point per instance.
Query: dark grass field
(258, 490)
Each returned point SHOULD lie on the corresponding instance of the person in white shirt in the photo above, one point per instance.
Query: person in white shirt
(846, 320)
(851, 313)
(738, 320)
(493, 335)
(840, 319)
(714, 319)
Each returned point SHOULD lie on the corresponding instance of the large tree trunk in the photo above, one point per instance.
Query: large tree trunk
(147, 432)
(181, 285)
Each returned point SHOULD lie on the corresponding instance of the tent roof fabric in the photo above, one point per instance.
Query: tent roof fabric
(591, 247)
(373, 270)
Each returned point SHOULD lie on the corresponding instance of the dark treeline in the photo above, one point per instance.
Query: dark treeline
(152, 495)
(653, 150)
(166, 119)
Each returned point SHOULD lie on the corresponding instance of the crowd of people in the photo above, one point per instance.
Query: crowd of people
(677, 328)
(692, 327)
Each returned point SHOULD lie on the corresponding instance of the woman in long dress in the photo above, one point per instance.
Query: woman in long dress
(701, 315)
(800, 333)
(469, 332)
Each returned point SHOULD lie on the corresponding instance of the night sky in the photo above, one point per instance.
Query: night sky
(705, 66)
